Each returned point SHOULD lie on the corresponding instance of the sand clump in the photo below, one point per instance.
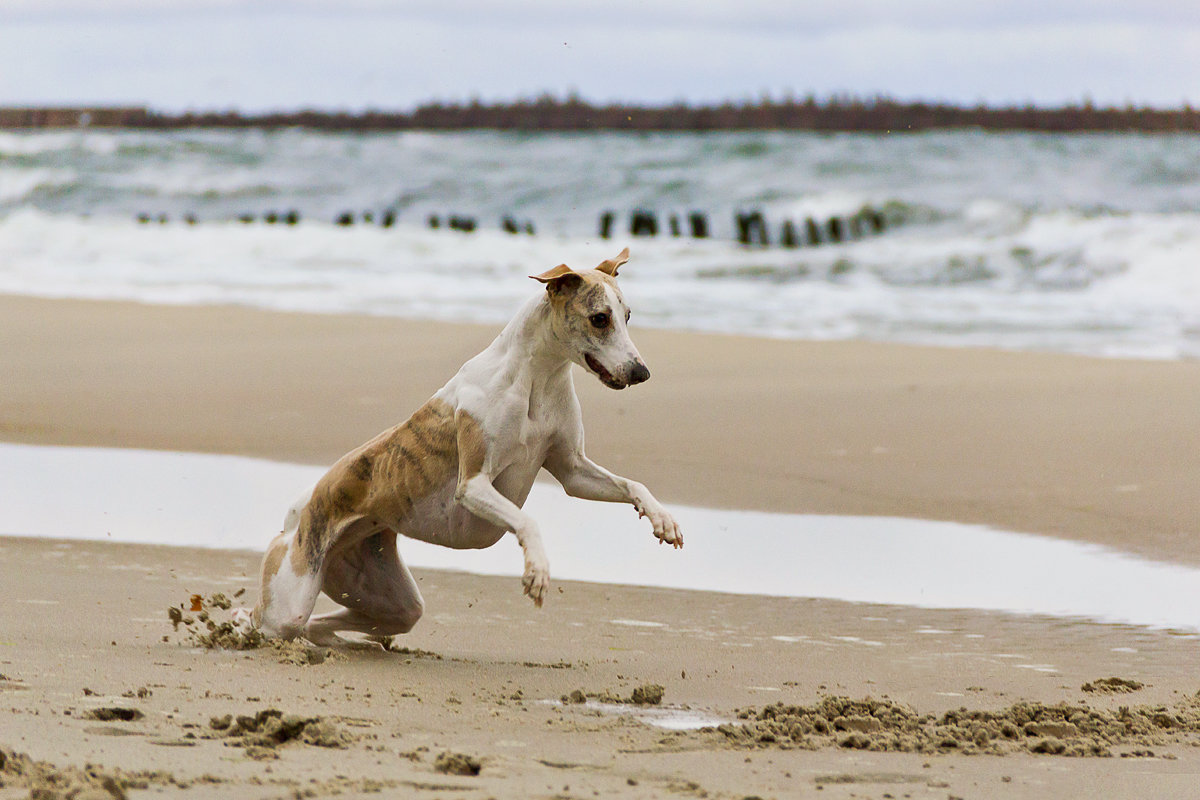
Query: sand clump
(269, 729)
(457, 764)
(301, 653)
(650, 694)
(882, 725)
(1112, 686)
(202, 629)
(206, 631)
(45, 781)
(114, 714)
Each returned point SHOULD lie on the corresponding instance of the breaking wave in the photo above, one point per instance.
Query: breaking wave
(1070, 243)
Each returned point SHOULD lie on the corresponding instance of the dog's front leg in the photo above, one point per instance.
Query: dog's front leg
(477, 495)
(581, 477)
(480, 497)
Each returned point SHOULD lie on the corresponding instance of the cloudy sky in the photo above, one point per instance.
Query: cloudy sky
(353, 54)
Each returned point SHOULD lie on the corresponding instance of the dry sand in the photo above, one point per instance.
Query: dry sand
(1096, 450)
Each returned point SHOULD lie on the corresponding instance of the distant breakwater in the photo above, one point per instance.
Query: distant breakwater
(876, 115)
(751, 228)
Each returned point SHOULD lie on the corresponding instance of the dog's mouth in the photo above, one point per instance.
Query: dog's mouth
(604, 375)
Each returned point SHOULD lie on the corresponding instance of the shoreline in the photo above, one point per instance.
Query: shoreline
(221, 501)
(92, 672)
(1096, 450)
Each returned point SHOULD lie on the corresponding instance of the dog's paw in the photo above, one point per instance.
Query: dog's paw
(536, 581)
(243, 620)
(666, 530)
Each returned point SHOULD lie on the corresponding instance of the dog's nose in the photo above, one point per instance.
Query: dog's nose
(639, 374)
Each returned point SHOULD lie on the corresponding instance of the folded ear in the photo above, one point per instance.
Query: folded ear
(611, 266)
(560, 279)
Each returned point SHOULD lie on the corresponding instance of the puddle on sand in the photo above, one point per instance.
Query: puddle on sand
(671, 718)
(233, 502)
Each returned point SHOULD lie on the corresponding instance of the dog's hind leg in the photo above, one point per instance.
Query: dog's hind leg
(288, 592)
(380, 595)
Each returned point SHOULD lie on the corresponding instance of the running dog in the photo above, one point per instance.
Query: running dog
(457, 472)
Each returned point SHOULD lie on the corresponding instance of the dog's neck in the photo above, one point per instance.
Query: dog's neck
(527, 351)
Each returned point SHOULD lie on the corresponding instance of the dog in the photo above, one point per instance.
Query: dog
(458, 471)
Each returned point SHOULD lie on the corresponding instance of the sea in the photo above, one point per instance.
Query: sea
(1074, 243)
(1086, 244)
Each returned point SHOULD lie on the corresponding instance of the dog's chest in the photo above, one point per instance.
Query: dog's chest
(518, 428)
(524, 434)
(517, 442)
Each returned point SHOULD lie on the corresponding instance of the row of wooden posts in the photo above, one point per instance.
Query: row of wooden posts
(750, 227)
(386, 219)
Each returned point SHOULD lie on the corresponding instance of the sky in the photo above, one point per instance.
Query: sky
(260, 55)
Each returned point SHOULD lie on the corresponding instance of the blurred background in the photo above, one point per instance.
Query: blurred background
(1018, 174)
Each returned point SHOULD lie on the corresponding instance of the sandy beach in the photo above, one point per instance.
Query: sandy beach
(1095, 450)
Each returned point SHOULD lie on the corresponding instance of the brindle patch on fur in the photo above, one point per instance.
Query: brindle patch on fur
(471, 445)
(386, 476)
(311, 536)
(432, 435)
(362, 468)
(270, 568)
(418, 480)
(566, 285)
(589, 298)
(590, 301)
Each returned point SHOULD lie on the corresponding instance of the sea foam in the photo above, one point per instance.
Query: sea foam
(1069, 243)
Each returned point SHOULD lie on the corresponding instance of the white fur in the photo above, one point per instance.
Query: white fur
(521, 393)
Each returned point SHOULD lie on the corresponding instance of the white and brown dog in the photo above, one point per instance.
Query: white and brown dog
(459, 470)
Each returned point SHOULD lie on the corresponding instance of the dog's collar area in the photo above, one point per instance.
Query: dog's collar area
(605, 376)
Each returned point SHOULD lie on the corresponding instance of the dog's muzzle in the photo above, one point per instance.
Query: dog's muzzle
(638, 373)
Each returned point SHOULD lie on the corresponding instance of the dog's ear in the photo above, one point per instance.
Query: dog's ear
(560, 279)
(611, 266)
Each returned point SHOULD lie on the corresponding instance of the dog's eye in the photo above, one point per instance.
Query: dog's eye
(627, 315)
(599, 321)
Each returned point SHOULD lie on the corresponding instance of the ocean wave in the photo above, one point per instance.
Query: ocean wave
(822, 206)
(1061, 243)
(196, 183)
(1005, 248)
(752, 148)
(52, 142)
(1060, 282)
(17, 184)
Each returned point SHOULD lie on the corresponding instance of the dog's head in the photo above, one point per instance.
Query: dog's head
(590, 319)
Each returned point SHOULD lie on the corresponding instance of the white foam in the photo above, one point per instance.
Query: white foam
(34, 143)
(1108, 287)
(226, 501)
(1077, 244)
(16, 184)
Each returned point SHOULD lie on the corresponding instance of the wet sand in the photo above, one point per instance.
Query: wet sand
(83, 628)
(1095, 450)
